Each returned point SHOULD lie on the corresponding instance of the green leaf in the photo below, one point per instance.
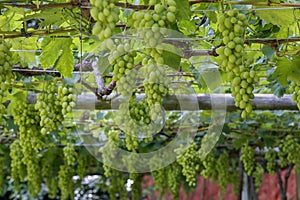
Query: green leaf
(65, 63)
(183, 10)
(268, 51)
(58, 53)
(171, 59)
(277, 17)
(287, 70)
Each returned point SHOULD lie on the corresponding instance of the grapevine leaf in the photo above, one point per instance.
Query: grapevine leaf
(65, 63)
(51, 50)
(287, 70)
(183, 10)
(171, 59)
(277, 17)
(268, 51)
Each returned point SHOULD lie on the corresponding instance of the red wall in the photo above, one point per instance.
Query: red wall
(268, 191)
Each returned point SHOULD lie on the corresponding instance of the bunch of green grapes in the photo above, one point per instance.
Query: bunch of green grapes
(174, 175)
(53, 104)
(107, 15)
(28, 120)
(31, 142)
(190, 163)
(289, 151)
(70, 154)
(5, 73)
(155, 84)
(151, 22)
(117, 182)
(18, 169)
(258, 176)
(209, 163)
(82, 165)
(136, 187)
(127, 83)
(139, 111)
(295, 89)
(248, 159)
(160, 181)
(49, 108)
(67, 98)
(232, 25)
(65, 182)
(49, 176)
(222, 166)
(270, 156)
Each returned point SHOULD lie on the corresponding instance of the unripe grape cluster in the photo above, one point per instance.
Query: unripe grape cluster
(222, 166)
(65, 182)
(270, 156)
(248, 159)
(295, 89)
(53, 104)
(139, 111)
(65, 95)
(5, 73)
(18, 169)
(155, 84)
(258, 176)
(209, 163)
(153, 21)
(70, 154)
(190, 161)
(289, 151)
(106, 13)
(232, 26)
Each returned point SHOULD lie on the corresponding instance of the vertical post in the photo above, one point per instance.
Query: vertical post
(297, 186)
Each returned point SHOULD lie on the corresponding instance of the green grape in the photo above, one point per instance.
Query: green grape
(48, 172)
(139, 111)
(209, 166)
(174, 175)
(190, 162)
(222, 166)
(6, 75)
(53, 104)
(136, 187)
(155, 84)
(107, 15)
(70, 154)
(247, 157)
(18, 169)
(289, 152)
(150, 22)
(117, 182)
(65, 182)
(31, 142)
(232, 26)
(66, 97)
(258, 176)
(270, 156)
(82, 165)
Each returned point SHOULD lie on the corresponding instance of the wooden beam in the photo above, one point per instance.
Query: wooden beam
(202, 101)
